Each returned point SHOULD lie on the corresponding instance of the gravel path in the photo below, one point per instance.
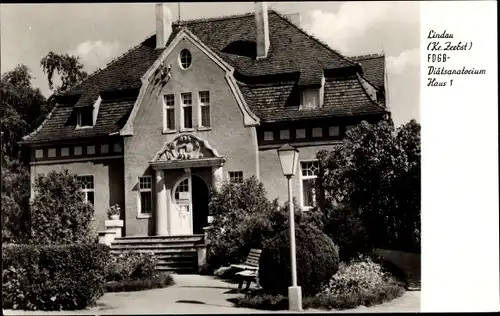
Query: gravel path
(196, 294)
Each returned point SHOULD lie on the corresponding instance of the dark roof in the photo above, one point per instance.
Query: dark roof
(373, 68)
(279, 102)
(292, 51)
(59, 126)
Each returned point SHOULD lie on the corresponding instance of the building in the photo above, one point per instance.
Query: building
(200, 102)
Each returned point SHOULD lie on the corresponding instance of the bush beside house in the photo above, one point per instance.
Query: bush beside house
(58, 211)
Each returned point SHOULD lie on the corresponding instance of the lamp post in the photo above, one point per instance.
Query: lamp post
(289, 157)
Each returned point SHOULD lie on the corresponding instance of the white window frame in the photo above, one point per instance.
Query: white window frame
(166, 128)
(140, 214)
(200, 108)
(85, 191)
(302, 178)
(233, 172)
(183, 106)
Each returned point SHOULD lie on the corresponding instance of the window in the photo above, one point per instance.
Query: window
(77, 151)
(87, 187)
(333, 131)
(117, 148)
(187, 109)
(236, 176)
(309, 98)
(268, 135)
(309, 172)
(65, 151)
(284, 134)
(300, 133)
(182, 190)
(52, 152)
(104, 148)
(185, 58)
(169, 112)
(91, 150)
(317, 132)
(146, 195)
(84, 117)
(39, 153)
(205, 108)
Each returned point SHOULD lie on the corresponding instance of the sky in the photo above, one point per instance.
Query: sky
(99, 33)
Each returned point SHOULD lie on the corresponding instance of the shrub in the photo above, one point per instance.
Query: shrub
(156, 282)
(130, 265)
(59, 210)
(346, 229)
(317, 260)
(360, 282)
(56, 277)
(260, 300)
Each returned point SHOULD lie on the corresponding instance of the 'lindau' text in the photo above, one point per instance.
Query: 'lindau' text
(434, 34)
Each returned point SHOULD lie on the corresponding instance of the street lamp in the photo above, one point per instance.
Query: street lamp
(289, 157)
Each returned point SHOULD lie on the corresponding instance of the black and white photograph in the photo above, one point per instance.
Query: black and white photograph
(213, 157)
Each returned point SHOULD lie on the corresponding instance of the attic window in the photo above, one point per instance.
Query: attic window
(84, 117)
(309, 98)
(185, 58)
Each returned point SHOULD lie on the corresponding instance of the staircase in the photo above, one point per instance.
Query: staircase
(175, 253)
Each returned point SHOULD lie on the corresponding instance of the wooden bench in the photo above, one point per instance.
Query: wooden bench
(250, 269)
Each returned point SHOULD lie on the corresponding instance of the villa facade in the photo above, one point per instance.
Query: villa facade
(201, 102)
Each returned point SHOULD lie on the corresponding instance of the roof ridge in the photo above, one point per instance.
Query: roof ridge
(114, 60)
(314, 38)
(369, 56)
(217, 18)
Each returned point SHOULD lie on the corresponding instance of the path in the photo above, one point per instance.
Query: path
(196, 294)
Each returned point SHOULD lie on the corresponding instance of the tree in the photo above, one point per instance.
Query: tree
(59, 210)
(376, 173)
(23, 108)
(68, 67)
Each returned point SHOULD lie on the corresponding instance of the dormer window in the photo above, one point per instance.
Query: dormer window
(84, 117)
(310, 98)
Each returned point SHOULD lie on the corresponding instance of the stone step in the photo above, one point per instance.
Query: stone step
(178, 270)
(162, 238)
(194, 240)
(158, 251)
(177, 261)
(151, 246)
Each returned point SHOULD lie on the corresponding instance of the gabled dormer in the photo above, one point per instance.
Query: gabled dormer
(311, 97)
(86, 116)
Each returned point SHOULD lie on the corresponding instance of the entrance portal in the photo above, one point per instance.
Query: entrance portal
(190, 206)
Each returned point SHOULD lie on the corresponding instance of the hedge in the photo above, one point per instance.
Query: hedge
(53, 277)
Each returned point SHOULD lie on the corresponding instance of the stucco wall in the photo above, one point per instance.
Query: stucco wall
(272, 176)
(108, 183)
(228, 136)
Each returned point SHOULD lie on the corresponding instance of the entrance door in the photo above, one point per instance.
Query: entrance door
(200, 204)
(182, 207)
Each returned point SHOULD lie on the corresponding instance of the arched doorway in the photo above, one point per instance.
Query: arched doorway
(200, 204)
(190, 206)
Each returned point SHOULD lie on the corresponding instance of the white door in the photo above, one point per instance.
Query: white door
(182, 223)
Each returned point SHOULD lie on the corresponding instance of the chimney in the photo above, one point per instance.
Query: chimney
(262, 24)
(163, 24)
(294, 18)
